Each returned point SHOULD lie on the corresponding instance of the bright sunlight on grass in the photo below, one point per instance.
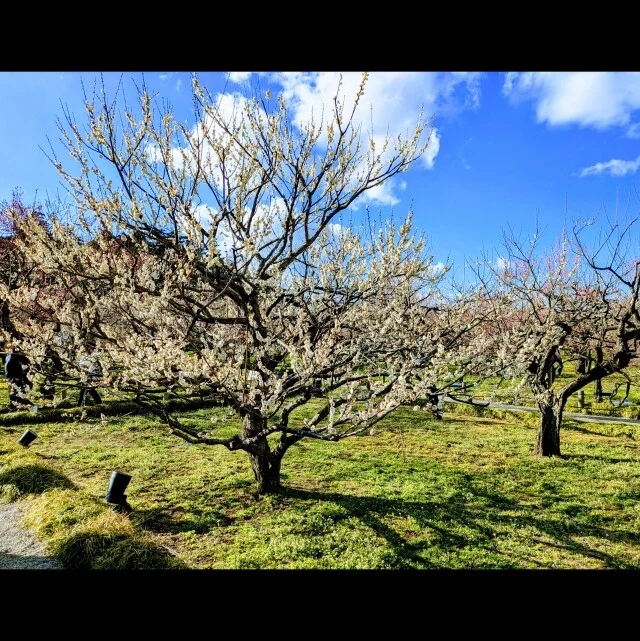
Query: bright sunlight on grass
(464, 492)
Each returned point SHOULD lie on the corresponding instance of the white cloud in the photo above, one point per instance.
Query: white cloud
(178, 84)
(383, 194)
(204, 215)
(154, 155)
(230, 107)
(390, 104)
(633, 131)
(589, 99)
(338, 230)
(501, 263)
(472, 83)
(165, 76)
(239, 77)
(437, 269)
(612, 167)
(429, 156)
(266, 224)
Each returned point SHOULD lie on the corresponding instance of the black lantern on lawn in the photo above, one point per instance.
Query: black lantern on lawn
(115, 494)
(28, 437)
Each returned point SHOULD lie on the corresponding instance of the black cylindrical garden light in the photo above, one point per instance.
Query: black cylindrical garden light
(27, 438)
(115, 494)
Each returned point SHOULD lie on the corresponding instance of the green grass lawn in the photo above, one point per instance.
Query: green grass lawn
(464, 492)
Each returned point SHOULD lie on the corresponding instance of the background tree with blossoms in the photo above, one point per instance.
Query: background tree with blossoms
(561, 304)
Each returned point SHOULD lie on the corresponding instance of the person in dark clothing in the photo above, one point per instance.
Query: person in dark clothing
(52, 369)
(90, 364)
(93, 392)
(434, 399)
(16, 369)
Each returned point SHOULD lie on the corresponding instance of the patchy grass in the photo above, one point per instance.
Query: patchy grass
(463, 492)
(109, 542)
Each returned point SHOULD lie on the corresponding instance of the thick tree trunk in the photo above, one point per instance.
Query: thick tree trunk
(584, 363)
(598, 383)
(598, 391)
(548, 438)
(265, 465)
(267, 473)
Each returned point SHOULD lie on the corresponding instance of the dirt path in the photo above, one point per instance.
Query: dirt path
(19, 549)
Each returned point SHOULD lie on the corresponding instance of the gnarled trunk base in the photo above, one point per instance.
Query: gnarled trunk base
(548, 438)
(264, 463)
(266, 471)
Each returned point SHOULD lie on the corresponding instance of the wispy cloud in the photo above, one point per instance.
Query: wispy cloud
(634, 130)
(165, 76)
(587, 99)
(501, 263)
(178, 84)
(338, 230)
(437, 269)
(390, 105)
(613, 167)
(429, 156)
(463, 160)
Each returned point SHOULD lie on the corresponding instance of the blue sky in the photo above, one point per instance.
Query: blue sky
(507, 147)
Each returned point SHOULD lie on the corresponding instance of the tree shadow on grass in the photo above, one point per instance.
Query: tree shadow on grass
(439, 522)
(471, 521)
(35, 479)
(199, 521)
(622, 432)
(604, 459)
